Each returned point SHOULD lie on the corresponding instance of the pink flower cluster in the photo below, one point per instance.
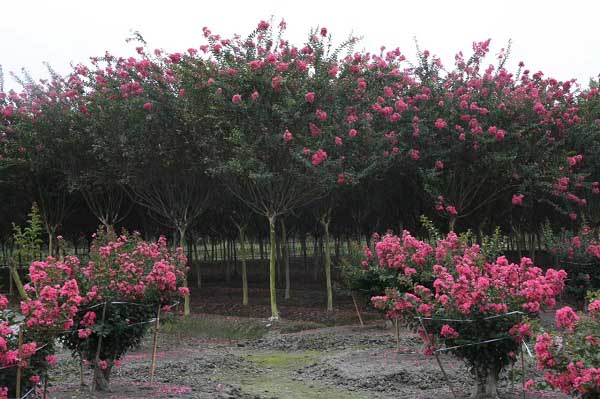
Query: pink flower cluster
(570, 361)
(318, 157)
(405, 253)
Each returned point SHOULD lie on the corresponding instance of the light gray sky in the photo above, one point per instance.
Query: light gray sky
(561, 38)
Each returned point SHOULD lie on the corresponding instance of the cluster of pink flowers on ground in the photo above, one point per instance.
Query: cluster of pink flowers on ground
(570, 359)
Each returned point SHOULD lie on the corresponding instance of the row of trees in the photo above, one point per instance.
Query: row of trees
(309, 138)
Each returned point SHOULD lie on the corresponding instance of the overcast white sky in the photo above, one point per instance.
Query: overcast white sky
(561, 38)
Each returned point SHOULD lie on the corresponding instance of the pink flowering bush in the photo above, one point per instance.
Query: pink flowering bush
(32, 356)
(569, 357)
(122, 269)
(475, 304)
(68, 299)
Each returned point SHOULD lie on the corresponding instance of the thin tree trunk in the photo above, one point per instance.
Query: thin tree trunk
(303, 248)
(279, 258)
(50, 242)
(261, 248)
(197, 256)
(451, 223)
(325, 220)
(286, 259)
(316, 255)
(186, 298)
(272, 268)
(243, 260)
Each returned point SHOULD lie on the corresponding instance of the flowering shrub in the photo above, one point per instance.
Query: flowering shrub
(33, 356)
(126, 278)
(570, 356)
(124, 282)
(475, 304)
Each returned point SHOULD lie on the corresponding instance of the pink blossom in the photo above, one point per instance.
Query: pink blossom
(451, 210)
(276, 83)
(415, 154)
(517, 199)
(338, 141)
(148, 106)
(236, 99)
(321, 115)
(310, 97)
(318, 157)
(448, 332)
(51, 360)
(254, 96)
(287, 136)
(566, 318)
(500, 135)
(594, 308)
(352, 133)
(573, 216)
(440, 123)
(263, 25)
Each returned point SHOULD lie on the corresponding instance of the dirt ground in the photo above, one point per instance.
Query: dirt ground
(223, 352)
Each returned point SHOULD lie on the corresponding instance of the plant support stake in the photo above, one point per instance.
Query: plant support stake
(19, 368)
(155, 345)
(97, 360)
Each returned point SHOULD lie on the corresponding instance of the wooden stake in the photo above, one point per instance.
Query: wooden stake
(19, 369)
(522, 371)
(97, 359)
(155, 345)
(357, 310)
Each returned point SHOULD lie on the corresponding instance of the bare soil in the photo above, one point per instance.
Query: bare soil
(228, 351)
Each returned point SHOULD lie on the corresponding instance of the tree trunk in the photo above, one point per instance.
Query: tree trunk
(279, 256)
(186, 299)
(451, 223)
(261, 248)
(486, 383)
(197, 256)
(286, 259)
(102, 378)
(325, 220)
(16, 280)
(50, 242)
(243, 260)
(316, 258)
(272, 268)
(303, 248)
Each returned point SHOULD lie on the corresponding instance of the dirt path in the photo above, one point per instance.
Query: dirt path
(334, 363)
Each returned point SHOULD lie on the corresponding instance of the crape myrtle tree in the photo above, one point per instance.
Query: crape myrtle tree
(486, 134)
(365, 131)
(44, 121)
(97, 173)
(585, 141)
(276, 102)
(160, 139)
